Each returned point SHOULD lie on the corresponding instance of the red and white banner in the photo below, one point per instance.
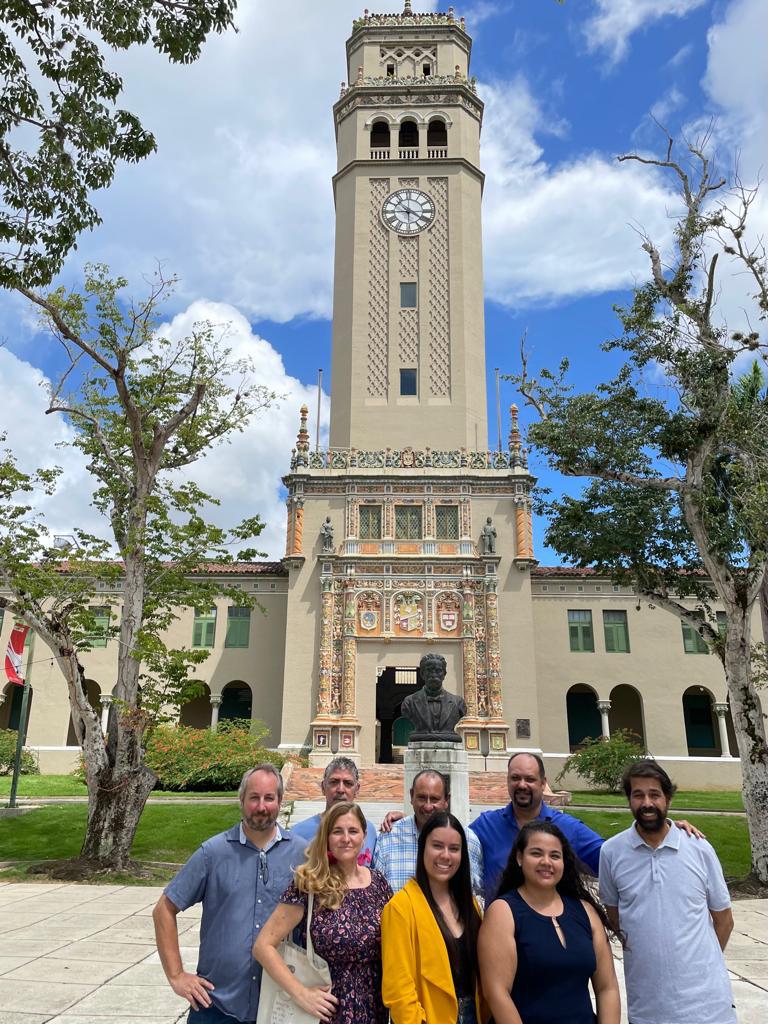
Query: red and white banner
(14, 653)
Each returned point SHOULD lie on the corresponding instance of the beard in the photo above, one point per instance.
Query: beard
(651, 821)
(260, 822)
(522, 798)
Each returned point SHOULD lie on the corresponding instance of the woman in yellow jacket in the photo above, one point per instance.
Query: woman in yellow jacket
(429, 934)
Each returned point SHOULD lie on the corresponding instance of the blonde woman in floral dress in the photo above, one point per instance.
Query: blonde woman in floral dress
(346, 923)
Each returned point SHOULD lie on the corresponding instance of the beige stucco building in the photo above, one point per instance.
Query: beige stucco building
(408, 534)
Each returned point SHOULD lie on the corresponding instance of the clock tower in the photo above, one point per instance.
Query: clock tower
(408, 329)
(407, 534)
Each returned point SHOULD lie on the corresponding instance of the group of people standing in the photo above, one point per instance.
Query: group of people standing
(432, 923)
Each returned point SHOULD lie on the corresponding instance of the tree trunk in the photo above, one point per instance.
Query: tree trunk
(115, 802)
(750, 735)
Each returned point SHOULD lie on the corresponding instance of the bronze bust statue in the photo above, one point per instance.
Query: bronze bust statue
(433, 711)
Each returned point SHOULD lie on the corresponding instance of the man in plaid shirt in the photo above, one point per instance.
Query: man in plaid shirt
(395, 855)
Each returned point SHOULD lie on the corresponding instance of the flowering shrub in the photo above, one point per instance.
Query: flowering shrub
(8, 740)
(184, 758)
(601, 762)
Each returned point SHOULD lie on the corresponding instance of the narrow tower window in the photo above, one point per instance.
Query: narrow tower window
(426, 70)
(408, 295)
(390, 70)
(409, 135)
(379, 135)
(408, 383)
(437, 134)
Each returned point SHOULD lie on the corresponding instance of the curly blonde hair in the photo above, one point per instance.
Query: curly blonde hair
(317, 875)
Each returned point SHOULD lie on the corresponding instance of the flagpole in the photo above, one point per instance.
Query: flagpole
(22, 724)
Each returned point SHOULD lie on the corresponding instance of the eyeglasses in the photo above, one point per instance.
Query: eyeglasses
(263, 867)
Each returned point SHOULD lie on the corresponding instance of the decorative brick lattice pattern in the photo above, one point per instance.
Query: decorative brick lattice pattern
(409, 258)
(408, 324)
(439, 293)
(378, 295)
(408, 183)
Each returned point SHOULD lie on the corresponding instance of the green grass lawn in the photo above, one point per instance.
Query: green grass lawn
(728, 835)
(700, 800)
(172, 832)
(166, 832)
(66, 785)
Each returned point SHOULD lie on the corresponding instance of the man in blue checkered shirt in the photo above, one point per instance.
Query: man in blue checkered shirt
(396, 851)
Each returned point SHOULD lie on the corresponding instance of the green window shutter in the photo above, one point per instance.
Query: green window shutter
(616, 632)
(580, 632)
(238, 627)
(204, 629)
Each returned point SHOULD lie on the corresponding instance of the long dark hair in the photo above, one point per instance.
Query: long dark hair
(460, 886)
(571, 884)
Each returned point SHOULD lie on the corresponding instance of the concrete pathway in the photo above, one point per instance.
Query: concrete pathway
(85, 954)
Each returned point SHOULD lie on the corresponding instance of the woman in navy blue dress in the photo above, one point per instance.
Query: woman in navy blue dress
(544, 939)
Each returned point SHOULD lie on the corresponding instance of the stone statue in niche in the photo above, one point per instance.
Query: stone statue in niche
(433, 711)
(326, 533)
(488, 537)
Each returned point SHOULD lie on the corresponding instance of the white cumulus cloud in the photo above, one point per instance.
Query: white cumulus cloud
(615, 21)
(557, 232)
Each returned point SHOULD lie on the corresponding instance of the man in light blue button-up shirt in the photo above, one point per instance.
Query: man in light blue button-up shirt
(238, 876)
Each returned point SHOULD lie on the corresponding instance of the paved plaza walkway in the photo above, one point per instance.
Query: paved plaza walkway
(85, 954)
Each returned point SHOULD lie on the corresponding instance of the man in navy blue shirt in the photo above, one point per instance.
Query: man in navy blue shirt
(497, 830)
(239, 876)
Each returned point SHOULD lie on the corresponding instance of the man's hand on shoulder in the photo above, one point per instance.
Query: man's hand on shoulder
(689, 829)
(389, 820)
(193, 988)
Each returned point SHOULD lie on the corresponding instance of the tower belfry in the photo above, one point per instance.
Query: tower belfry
(408, 328)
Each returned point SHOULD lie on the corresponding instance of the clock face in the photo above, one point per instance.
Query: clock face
(408, 211)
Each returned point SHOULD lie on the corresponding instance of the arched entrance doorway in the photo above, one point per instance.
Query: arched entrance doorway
(702, 735)
(10, 712)
(236, 701)
(627, 711)
(583, 716)
(393, 686)
(93, 693)
(196, 713)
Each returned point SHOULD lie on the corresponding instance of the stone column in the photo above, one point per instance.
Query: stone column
(494, 650)
(349, 650)
(721, 710)
(326, 648)
(469, 652)
(604, 706)
(215, 705)
(106, 704)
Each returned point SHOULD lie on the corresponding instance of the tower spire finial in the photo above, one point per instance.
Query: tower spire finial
(407, 7)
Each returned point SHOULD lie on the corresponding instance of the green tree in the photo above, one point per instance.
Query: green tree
(145, 409)
(61, 131)
(677, 503)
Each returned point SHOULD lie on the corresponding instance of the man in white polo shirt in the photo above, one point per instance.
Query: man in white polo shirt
(667, 893)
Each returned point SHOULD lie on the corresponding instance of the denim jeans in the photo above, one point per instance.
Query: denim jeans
(212, 1015)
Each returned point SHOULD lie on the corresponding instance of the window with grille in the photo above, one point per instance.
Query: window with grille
(580, 631)
(407, 522)
(370, 522)
(238, 627)
(722, 623)
(447, 522)
(204, 629)
(101, 629)
(692, 641)
(616, 632)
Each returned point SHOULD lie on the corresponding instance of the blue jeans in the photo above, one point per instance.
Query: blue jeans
(467, 1014)
(212, 1015)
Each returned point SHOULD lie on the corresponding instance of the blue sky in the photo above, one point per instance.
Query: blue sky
(238, 201)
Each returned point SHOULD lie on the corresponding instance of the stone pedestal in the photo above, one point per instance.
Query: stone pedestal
(440, 756)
